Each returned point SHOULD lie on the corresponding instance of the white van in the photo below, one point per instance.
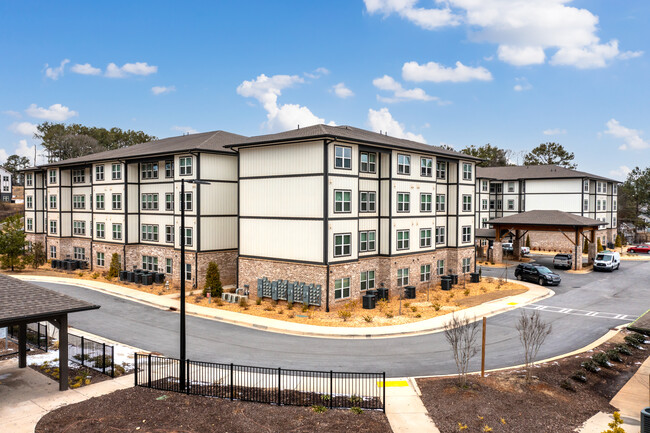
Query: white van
(607, 261)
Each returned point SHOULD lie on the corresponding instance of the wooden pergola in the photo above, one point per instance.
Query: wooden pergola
(22, 303)
(573, 227)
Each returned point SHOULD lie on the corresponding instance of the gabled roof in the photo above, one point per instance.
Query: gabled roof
(214, 141)
(547, 218)
(349, 133)
(516, 172)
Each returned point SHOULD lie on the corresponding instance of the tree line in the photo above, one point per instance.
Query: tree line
(544, 154)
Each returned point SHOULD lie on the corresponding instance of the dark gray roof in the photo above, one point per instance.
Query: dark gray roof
(215, 141)
(547, 217)
(23, 301)
(484, 233)
(516, 172)
(349, 133)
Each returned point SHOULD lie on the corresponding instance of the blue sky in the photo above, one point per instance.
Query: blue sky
(512, 73)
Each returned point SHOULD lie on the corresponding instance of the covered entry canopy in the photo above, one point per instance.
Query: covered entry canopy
(574, 227)
(22, 303)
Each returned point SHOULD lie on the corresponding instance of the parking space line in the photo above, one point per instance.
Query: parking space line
(585, 313)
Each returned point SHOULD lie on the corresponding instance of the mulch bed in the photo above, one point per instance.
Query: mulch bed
(504, 402)
(139, 409)
(77, 376)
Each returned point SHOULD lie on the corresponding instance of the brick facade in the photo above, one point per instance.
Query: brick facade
(551, 241)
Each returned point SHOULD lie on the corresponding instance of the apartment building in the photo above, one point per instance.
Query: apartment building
(350, 210)
(126, 201)
(504, 191)
(5, 185)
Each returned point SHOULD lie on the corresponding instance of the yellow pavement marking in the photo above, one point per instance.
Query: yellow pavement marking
(513, 303)
(393, 383)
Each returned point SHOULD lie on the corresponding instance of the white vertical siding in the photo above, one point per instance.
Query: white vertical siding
(287, 159)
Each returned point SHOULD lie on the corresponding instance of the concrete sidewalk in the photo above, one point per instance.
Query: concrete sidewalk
(436, 324)
(404, 408)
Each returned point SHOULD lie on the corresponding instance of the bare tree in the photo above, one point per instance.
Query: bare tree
(461, 335)
(532, 333)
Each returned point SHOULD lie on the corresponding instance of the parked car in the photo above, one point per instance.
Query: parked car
(639, 249)
(525, 250)
(563, 261)
(509, 249)
(537, 274)
(607, 260)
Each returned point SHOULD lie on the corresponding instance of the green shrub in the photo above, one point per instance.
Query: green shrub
(258, 301)
(289, 305)
(590, 366)
(614, 355)
(639, 338)
(436, 306)
(368, 318)
(344, 314)
(623, 349)
(213, 281)
(243, 303)
(115, 267)
(356, 409)
(579, 376)
(94, 275)
(305, 308)
(619, 241)
(600, 359)
(631, 341)
(318, 408)
(565, 384)
(356, 400)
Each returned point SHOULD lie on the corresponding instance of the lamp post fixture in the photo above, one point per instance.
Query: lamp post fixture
(183, 356)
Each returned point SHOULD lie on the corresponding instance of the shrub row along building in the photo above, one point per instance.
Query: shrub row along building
(334, 206)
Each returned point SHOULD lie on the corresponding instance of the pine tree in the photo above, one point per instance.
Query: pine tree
(585, 247)
(528, 241)
(213, 281)
(116, 267)
(599, 246)
(619, 240)
(12, 243)
(37, 256)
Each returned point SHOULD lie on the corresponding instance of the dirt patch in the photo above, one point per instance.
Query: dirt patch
(156, 411)
(505, 403)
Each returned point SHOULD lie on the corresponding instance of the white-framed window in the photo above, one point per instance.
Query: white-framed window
(367, 241)
(29, 202)
(440, 203)
(150, 263)
(425, 273)
(342, 201)
(79, 253)
(99, 201)
(585, 204)
(78, 201)
(467, 171)
(52, 176)
(149, 201)
(615, 189)
(342, 244)
(52, 201)
(604, 204)
(79, 228)
(169, 266)
(100, 259)
(185, 166)
(169, 169)
(598, 187)
(441, 170)
(614, 204)
(613, 222)
(467, 203)
(367, 280)
(343, 157)
(403, 202)
(499, 204)
(484, 204)
(402, 277)
(78, 176)
(368, 162)
(484, 223)
(467, 265)
(52, 251)
(29, 224)
(467, 234)
(189, 236)
(403, 241)
(425, 238)
(169, 234)
(484, 185)
(99, 230)
(585, 185)
(440, 235)
(440, 266)
(492, 204)
(425, 202)
(511, 205)
(29, 179)
(117, 201)
(342, 288)
(188, 272)
(367, 201)
(117, 232)
(149, 170)
(426, 167)
(116, 171)
(597, 204)
(169, 201)
(149, 232)
(53, 227)
(99, 172)
(188, 201)
(403, 164)
(511, 187)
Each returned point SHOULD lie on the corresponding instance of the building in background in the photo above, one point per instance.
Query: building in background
(5, 185)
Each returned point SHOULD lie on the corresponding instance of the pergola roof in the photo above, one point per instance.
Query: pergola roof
(21, 301)
(553, 218)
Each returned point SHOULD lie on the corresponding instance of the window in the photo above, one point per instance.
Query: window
(499, 204)
(484, 204)
(403, 277)
(117, 201)
(403, 164)
(604, 204)
(149, 170)
(467, 203)
(52, 176)
(150, 263)
(467, 171)
(597, 204)
(149, 201)
(440, 203)
(403, 202)
(189, 236)
(116, 170)
(440, 235)
(99, 230)
(425, 238)
(343, 157)
(188, 272)
(52, 252)
(169, 234)
(99, 201)
(169, 169)
(29, 224)
(342, 201)
(342, 288)
(492, 204)
(78, 201)
(52, 202)
(467, 234)
(79, 253)
(188, 201)
(149, 232)
(598, 188)
(185, 165)
(467, 265)
(78, 176)
(441, 170)
(426, 167)
(367, 241)
(368, 162)
(440, 265)
(367, 280)
(342, 245)
(425, 273)
(169, 201)
(614, 222)
(484, 223)
(100, 259)
(117, 231)
(99, 172)
(585, 204)
(425, 202)
(79, 228)
(29, 202)
(403, 239)
(484, 185)
(585, 186)
(511, 205)
(511, 187)
(169, 266)
(29, 181)
(367, 201)
(52, 227)
(614, 205)
(615, 189)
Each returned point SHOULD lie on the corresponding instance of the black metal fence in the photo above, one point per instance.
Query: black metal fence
(91, 354)
(262, 384)
(36, 335)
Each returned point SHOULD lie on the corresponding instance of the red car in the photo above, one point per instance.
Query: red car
(639, 249)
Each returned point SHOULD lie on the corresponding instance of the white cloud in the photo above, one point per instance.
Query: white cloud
(24, 149)
(23, 128)
(317, 73)
(521, 56)
(55, 112)
(630, 55)
(399, 93)
(85, 69)
(522, 84)
(279, 117)
(137, 68)
(631, 137)
(3, 155)
(426, 18)
(159, 90)
(185, 129)
(382, 121)
(556, 131)
(586, 57)
(341, 91)
(437, 73)
(56, 72)
(12, 113)
(620, 173)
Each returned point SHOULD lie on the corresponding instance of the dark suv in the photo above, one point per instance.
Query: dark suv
(537, 274)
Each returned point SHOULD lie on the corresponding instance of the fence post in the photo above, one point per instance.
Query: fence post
(279, 386)
(82, 350)
(135, 371)
(187, 376)
(331, 387)
(384, 390)
(232, 389)
(104, 358)
(149, 370)
(38, 335)
(46, 339)
(112, 361)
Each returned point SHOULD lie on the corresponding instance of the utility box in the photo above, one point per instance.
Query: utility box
(445, 282)
(474, 277)
(368, 302)
(409, 292)
(645, 420)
